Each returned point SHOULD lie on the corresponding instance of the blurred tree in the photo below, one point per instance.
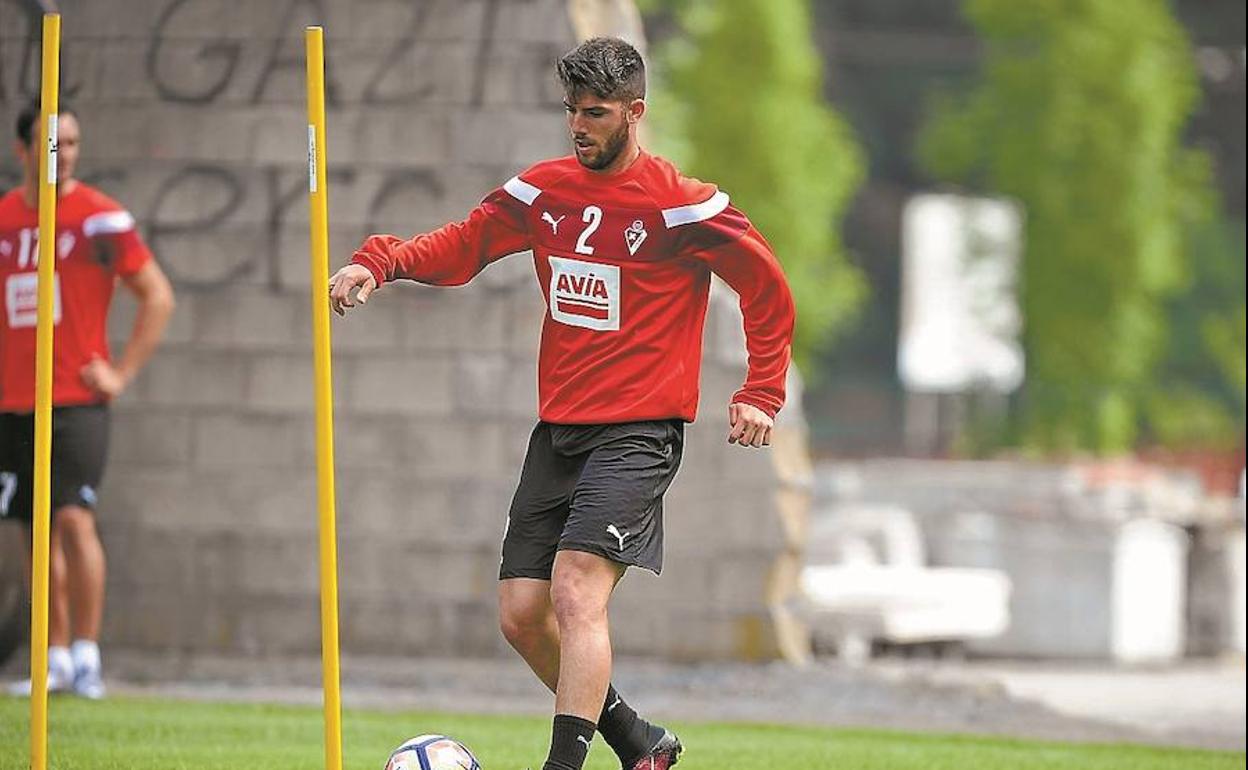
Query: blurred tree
(1079, 114)
(739, 102)
(1199, 397)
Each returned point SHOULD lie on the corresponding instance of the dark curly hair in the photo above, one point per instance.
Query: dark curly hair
(605, 66)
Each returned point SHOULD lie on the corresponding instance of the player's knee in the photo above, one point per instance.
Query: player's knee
(522, 624)
(75, 525)
(575, 604)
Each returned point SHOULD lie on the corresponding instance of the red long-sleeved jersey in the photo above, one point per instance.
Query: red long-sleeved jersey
(624, 261)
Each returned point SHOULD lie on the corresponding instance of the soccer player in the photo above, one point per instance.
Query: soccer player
(96, 244)
(624, 247)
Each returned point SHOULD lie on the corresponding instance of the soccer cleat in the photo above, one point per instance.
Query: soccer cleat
(662, 755)
(89, 684)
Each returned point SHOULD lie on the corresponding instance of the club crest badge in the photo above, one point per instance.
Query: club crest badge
(634, 235)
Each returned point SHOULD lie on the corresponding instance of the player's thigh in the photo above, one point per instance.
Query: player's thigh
(79, 453)
(539, 509)
(617, 507)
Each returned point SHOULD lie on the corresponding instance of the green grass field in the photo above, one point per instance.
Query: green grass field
(145, 734)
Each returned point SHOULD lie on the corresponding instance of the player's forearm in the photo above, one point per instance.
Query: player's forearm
(153, 316)
(750, 268)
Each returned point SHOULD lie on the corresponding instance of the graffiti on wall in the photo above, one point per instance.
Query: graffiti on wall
(184, 63)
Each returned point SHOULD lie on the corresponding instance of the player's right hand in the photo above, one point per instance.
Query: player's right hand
(351, 279)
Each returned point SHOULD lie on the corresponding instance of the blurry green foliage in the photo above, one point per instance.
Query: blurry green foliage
(1079, 114)
(1200, 398)
(737, 100)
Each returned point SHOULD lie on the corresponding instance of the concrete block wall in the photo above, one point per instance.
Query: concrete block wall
(193, 116)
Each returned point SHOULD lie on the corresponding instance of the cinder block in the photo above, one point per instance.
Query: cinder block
(278, 625)
(460, 319)
(278, 383)
(375, 625)
(385, 503)
(369, 443)
(541, 140)
(147, 619)
(533, 21)
(190, 378)
(466, 515)
(455, 449)
(430, 73)
(247, 319)
(127, 133)
(147, 497)
(258, 499)
(420, 138)
(481, 381)
(478, 139)
(520, 396)
(280, 563)
(400, 385)
(471, 629)
(150, 438)
(229, 255)
(241, 440)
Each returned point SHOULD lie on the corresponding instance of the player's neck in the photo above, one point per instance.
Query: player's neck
(30, 190)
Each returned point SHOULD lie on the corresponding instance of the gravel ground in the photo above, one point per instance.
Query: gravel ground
(1194, 705)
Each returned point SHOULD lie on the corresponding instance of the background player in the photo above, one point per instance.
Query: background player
(96, 244)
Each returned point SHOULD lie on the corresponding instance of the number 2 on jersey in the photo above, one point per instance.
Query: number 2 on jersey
(593, 216)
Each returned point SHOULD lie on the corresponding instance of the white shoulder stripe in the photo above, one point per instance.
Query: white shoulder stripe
(107, 223)
(522, 190)
(696, 212)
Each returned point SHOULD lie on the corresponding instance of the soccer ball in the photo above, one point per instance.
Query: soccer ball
(432, 752)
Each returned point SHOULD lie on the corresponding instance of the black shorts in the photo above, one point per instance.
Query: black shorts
(592, 488)
(79, 446)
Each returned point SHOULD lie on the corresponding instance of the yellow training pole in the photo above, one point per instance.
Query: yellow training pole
(315, 40)
(43, 396)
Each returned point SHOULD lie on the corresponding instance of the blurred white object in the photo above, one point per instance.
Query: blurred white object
(905, 605)
(1149, 600)
(960, 318)
(866, 580)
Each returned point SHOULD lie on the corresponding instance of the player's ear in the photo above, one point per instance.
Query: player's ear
(636, 108)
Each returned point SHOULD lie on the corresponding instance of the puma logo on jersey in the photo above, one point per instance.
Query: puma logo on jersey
(554, 223)
(618, 534)
(585, 294)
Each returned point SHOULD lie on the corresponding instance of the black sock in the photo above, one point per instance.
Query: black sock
(569, 742)
(628, 735)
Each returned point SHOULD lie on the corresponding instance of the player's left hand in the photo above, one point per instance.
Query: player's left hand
(104, 378)
(749, 426)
